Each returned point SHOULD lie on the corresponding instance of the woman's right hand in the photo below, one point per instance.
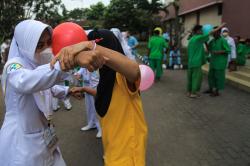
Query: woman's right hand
(79, 54)
(92, 60)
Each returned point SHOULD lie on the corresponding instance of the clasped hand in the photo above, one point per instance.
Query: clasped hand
(81, 54)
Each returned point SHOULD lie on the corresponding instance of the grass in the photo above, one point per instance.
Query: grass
(142, 48)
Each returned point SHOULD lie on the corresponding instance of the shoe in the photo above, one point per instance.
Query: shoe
(55, 110)
(68, 108)
(99, 134)
(194, 96)
(208, 91)
(215, 94)
(86, 128)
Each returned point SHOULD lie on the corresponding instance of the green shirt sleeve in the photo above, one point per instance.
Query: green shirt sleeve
(226, 46)
(240, 49)
(203, 38)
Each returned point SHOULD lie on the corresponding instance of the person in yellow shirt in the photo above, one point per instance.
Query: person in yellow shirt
(118, 101)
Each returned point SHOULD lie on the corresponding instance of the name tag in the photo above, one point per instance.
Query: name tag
(50, 138)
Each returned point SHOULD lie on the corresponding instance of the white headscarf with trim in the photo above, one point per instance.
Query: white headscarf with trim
(26, 36)
(23, 46)
(127, 50)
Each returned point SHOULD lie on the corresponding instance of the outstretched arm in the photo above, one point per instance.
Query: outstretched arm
(92, 60)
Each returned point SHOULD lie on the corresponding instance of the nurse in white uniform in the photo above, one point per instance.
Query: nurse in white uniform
(90, 80)
(27, 136)
(127, 50)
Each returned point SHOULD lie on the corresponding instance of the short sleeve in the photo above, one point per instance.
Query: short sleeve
(226, 46)
(203, 38)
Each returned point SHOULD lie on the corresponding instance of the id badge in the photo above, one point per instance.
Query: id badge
(50, 138)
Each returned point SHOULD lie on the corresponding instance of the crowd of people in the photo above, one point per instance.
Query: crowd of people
(221, 51)
(31, 79)
(104, 71)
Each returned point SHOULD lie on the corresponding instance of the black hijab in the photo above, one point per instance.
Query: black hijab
(107, 75)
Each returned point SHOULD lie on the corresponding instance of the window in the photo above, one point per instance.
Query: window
(220, 9)
(198, 15)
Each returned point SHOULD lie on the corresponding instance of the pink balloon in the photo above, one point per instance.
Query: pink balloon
(147, 77)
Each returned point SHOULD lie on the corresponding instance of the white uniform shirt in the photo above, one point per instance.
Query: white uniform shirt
(21, 136)
(90, 79)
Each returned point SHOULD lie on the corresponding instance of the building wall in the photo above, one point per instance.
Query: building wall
(207, 16)
(189, 21)
(210, 16)
(189, 5)
(236, 14)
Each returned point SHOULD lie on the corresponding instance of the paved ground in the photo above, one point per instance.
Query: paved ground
(182, 131)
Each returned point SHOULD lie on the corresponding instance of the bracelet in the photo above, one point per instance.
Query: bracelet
(94, 45)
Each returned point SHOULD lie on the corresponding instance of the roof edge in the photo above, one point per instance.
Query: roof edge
(201, 7)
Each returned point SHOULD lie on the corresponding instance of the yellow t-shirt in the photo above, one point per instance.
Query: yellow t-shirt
(124, 127)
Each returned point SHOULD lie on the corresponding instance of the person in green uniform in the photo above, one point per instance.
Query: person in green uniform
(196, 58)
(241, 53)
(248, 48)
(156, 47)
(219, 50)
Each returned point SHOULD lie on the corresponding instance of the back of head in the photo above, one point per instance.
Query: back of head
(159, 29)
(107, 75)
(107, 39)
(197, 29)
(248, 41)
(217, 34)
(156, 32)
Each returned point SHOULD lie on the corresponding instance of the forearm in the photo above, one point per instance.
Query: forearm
(120, 63)
(90, 91)
(217, 29)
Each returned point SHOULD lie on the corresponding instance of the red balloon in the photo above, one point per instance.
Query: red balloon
(67, 34)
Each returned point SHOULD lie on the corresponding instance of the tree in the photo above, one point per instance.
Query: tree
(96, 12)
(48, 11)
(177, 25)
(11, 12)
(14, 11)
(134, 15)
(77, 14)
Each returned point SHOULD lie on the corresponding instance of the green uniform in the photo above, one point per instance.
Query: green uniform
(242, 52)
(196, 58)
(218, 63)
(248, 49)
(156, 45)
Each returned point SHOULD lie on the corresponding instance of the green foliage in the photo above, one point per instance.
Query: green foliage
(77, 14)
(14, 11)
(11, 12)
(92, 17)
(96, 12)
(135, 15)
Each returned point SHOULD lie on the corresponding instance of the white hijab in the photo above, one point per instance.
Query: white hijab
(231, 43)
(127, 50)
(26, 36)
(23, 46)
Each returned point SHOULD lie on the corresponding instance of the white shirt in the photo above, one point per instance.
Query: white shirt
(21, 136)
